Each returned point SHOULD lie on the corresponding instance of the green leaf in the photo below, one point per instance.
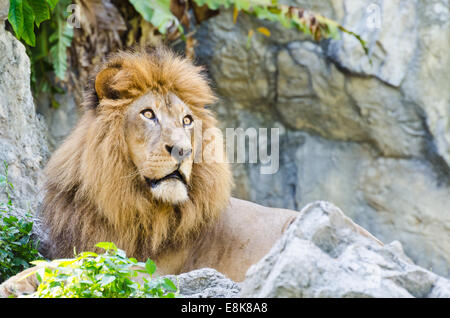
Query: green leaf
(38, 262)
(28, 24)
(20, 261)
(15, 16)
(213, 4)
(88, 254)
(40, 9)
(107, 279)
(157, 13)
(121, 253)
(52, 3)
(150, 266)
(169, 285)
(107, 246)
(242, 4)
(39, 278)
(60, 40)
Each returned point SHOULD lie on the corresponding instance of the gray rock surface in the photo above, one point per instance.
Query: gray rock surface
(60, 120)
(205, 283)
(325, 254)
(372, 138)
(23, 145)
(23, 138)
(4, 9)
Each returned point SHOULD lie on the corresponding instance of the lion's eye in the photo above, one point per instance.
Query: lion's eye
(148, 113)
(187, 120)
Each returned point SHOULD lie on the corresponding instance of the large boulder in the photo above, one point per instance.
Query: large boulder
(324, 254)
(373, 138)
(205, 283)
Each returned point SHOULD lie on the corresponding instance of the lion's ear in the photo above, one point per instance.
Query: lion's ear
(103, 82)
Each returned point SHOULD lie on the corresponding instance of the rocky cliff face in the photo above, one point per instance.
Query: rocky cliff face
(372, 138)
(23, 142)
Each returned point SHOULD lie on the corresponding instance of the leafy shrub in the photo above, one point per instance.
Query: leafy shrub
(43, 27)
(17, 248)
(108, 275)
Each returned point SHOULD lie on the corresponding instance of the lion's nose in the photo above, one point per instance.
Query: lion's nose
(179, 153)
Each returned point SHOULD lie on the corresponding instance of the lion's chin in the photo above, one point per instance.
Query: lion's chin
(170, 191)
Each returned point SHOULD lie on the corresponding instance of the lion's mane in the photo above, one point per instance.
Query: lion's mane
(93, 193)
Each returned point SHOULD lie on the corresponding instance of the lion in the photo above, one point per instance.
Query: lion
(122, 176)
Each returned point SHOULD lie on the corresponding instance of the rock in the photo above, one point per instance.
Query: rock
(200, 283)
(341, 116)
(60, 120)
(205, 283)
(317, 97)
(23, 145)
(4, 9)
(415, 188)
(384, 26)
(325, 254)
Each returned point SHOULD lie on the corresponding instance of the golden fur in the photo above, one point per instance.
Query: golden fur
(93, 191)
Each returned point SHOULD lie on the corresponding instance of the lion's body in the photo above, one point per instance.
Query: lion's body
(109, 180)
(244, 233)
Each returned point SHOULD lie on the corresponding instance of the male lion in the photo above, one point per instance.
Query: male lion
(123, 176)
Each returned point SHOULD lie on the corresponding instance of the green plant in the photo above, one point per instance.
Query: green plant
(159, 14)
(24, 14)
(108, 275)
(17, 248)
(43, 27)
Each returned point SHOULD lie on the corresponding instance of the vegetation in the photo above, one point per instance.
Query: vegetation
(108, 275)
(43, 28)
(46, 27)
(159, 14)
(17, 248)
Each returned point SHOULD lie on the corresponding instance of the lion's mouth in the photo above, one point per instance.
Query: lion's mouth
(174, 175)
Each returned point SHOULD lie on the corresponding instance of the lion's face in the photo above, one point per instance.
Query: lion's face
(159, 135)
